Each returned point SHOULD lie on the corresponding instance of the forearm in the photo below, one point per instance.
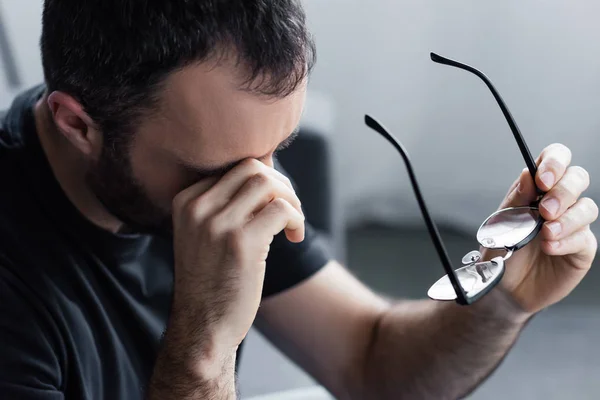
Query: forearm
(427, 349)
(189, 367)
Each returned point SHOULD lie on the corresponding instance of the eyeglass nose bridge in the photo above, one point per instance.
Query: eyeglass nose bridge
(471, 257)
(475, 280)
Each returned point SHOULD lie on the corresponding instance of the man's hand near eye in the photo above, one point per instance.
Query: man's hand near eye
(222, 233)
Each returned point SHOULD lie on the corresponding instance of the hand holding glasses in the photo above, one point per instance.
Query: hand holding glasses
(508, 229)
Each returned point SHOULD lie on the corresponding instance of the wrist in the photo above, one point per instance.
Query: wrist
(194, 345)
(203, 346)
(189, 370)
(499, 305)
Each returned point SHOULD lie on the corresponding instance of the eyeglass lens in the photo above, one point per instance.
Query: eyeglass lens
(507, 228)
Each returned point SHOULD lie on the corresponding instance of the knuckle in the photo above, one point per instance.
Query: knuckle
(279, 204)
(287, 181)
(193, 209)
(564, 192)
(258, 180)
(569, 191)
(257, 166)
(553, 164)
(282, 177)
(567, 220)
(215, 227)
(581, 173)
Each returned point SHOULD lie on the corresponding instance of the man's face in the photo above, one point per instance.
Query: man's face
(205, 126)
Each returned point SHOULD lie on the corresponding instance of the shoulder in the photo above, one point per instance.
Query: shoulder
(29, 340)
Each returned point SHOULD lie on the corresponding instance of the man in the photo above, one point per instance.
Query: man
(142, 223)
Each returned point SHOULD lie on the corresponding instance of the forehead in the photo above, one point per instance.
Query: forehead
(206, 119)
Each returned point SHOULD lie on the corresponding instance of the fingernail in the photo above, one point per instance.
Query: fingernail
(551, 205)
(554, 244)
(555, 228)
(547, 178)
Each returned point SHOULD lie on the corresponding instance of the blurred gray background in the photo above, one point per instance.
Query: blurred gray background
(373, 57)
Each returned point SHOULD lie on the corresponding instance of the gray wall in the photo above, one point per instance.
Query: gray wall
(374, 57)
(542, 56)
(22, 24)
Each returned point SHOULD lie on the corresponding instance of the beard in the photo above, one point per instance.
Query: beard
(112, 181)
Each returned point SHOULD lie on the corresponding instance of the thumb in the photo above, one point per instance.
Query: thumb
(522, 193)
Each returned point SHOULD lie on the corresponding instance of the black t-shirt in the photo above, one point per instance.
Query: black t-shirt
(82, 310)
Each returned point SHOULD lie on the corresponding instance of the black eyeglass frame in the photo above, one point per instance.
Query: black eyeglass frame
(461, 296)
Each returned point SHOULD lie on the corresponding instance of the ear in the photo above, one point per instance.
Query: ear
(74, 123)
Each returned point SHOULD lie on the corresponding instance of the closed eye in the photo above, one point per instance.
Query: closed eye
(288, 141)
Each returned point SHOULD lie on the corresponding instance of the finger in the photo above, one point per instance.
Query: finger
(255, 194)
(582, 214)
(211, 195)
(278, 175)
(183, 198)
(247, 168)
(582, 244)
(522, 191)
(233, 181)
(278, 215)
(565, 193)
(552, 164)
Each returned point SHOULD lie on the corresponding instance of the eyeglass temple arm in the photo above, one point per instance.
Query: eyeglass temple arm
(433, 231)
(509, 118)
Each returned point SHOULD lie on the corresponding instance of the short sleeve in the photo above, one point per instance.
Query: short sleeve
(29, 367)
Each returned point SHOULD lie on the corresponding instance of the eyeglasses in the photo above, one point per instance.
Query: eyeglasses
(509, 229)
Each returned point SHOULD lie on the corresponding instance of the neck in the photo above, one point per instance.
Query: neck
(70, 167)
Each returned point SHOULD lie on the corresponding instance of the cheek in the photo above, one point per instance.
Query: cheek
(160, 179)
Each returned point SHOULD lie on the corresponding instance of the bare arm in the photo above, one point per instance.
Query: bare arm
(360, 347)
(222, 232)
(425, 349)
(190, 367)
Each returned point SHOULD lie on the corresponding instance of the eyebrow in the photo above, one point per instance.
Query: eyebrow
(223, 169)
